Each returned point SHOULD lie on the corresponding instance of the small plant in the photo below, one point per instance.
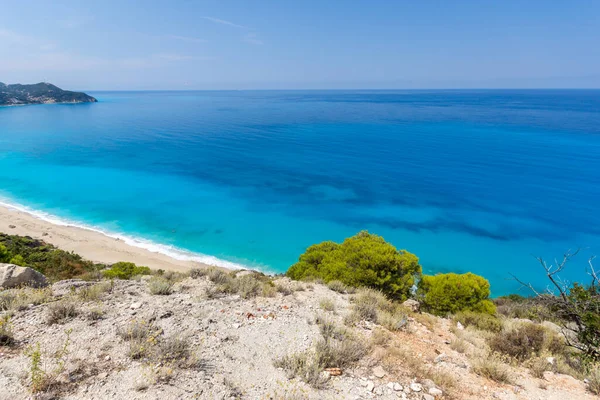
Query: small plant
(538, 366)
(459, 345)
(493, 368)
(594, 380)
(141, 337)
(125, 270)
(283, 289)
(95, 314)
(6, 334)
(393, 321)
(218, 276)
(481, 321)
(196, 273)
(304, 367)
(61, 311)
(174, 350)
(95, 292)
(160, 286)
(337, 286)
(45, 375)
(327, 305)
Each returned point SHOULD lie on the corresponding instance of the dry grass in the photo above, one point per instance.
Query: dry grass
(492, 367)
(484, 322)
(594, 380)
(338, 286)
(20, 299)
(303, 366)
(459, 345)
(539, 365)
(6, 334)
(94, 292)
(61, 311)
(327, 305)
(160, 286)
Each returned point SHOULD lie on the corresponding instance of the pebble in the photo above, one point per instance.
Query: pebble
(428, 397)
(378, 391)
(379, 372)
(440, 358)
(397, 387)
(370, 386)
(107, 358)
(236, 326)
(435, 392)
(135, 306)
(459, 326)
(416, 387)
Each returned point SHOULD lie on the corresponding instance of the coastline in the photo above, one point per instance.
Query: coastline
(96, 245)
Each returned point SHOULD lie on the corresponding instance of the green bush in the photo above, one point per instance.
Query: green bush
(56, 264)
(361, 260)
(125, 270)
(484, 322)
(450, 293)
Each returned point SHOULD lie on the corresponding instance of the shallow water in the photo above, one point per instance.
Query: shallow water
(468, 180)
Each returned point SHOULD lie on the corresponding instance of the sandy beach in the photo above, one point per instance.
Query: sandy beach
(90, 244)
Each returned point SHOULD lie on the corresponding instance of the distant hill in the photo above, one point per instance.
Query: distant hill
(39, 93)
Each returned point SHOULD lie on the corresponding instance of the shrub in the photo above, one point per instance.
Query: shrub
(337, 286)
(175, 350)
(94, 292)
(484, 322)
(160, 286)
(17, 260)
(196, 273)
(340, 353)
(304, 367)
(493, 368)
(61, 311)
(521, 342)
(538, 366)
(327, 305)
(364, 260)
(450, 293)
(393, 321)
(218, 276)
(6, 334)
(594, 380)
(125, 270)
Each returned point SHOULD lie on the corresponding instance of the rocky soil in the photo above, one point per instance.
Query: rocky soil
(231, 343)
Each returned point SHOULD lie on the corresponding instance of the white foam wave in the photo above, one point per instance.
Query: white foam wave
(168, 250)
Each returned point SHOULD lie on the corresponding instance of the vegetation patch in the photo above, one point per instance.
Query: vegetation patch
(363, 260)
(125, 270)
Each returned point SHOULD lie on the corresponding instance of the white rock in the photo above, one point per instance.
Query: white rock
(397, 387)
(379, 372)
(416, 387)
(378, 391)
(236, 326)
(135, 306)
(550, 360)
(459, 326)
(390, 385)
(435, 392)
(370, 386)
(428, 397)
(14, 276)
(412, 305)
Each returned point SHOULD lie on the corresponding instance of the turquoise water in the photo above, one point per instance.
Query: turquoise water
(468, 180)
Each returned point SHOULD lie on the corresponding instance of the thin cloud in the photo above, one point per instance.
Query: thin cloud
(223, 22)
(186, 38)
(252, 38)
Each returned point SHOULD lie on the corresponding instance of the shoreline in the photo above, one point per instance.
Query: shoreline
(97, 246)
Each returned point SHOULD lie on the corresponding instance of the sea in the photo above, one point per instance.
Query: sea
(469, 180)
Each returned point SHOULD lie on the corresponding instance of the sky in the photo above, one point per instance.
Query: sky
(308, 44)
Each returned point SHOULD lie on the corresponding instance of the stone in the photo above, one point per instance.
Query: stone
(428, 397)
(416, 387)
(378, 391)
(412, 305)
(379, 372)
(15, 276)
(440, 358)
(459, 326)
(12, 226)
(397, 387)
(333, 371)
(64, 287)
(435, 392)
(390, 385)
(550, 360)
(135, 306)
(370, 386)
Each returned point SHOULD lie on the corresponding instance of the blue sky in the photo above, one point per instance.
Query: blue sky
(235, 44)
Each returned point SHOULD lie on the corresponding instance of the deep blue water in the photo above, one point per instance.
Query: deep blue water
(468, 180)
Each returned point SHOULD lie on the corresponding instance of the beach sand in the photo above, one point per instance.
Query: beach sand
(90, 244)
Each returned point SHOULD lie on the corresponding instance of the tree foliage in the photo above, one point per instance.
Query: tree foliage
(450, 293)
(361, 260)
(125, 270)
